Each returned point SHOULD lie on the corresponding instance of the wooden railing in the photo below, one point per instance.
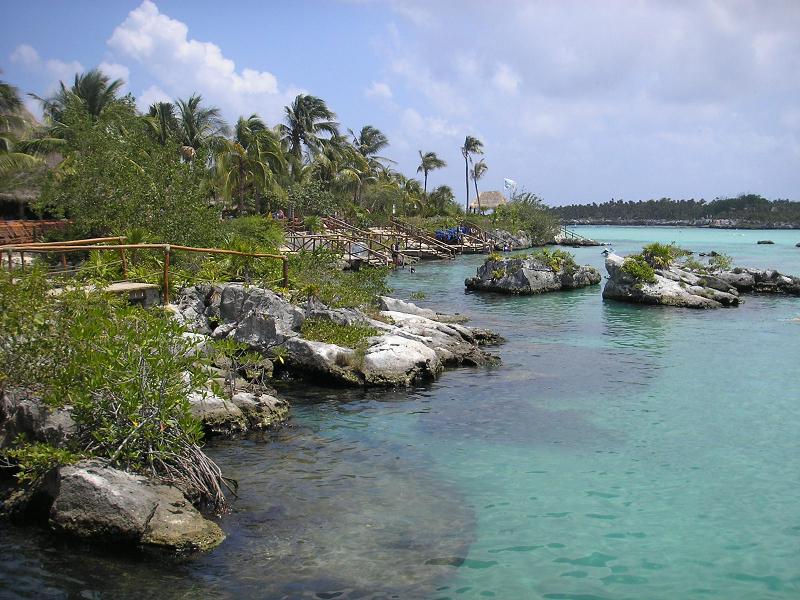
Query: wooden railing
(87, 245)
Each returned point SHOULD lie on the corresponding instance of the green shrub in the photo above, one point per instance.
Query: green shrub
(720, 262)
(637, 267)
(347, 336)
(556, 259)
(318, 274)
(125, 371)
(661, 256)
(693, 265)
(493, 257)
(33, 460)
(418, 295)
(498, 273)
(264, 233)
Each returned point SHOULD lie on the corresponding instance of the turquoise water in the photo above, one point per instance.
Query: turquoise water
(618, 452)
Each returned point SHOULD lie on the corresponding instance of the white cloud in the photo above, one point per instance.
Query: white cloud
(416, 124)
(182, 65)
(505, 79)
(51, 71)
(25, 55)
(115, 71)
(379, 90)
(150, 96)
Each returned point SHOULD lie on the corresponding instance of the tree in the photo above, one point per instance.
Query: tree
(307, 117)
(12, 159)
(93, 89)
(249, 161)
(428, 162)
(368, 142)
(199, 126)
(478, 171)
(471, 146)
(119, 178)
(162, 121)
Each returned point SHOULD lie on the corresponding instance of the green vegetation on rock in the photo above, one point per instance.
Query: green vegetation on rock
(637, 267)
(347, 336)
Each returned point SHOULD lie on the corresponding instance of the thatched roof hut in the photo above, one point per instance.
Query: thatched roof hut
(488, 201)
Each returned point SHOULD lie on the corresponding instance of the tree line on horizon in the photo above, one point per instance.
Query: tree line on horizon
(747, 208)
(306, 164)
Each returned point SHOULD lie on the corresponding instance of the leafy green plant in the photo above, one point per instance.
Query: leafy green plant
(637, 267)
(418, 295)
(33, 460)
(556, 259)
(347, 336)
(125, 371)
(320, 273)
(692, 264)
(498, 273)
(493, 257)
(661, 256)
(720, 262)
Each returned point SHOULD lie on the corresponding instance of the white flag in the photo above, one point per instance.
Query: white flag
(510, 184)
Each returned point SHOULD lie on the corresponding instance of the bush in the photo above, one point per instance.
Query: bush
(125, 371)
(661, 256)
(318, 275)
(347, 336)
(637, 267)
(720, 262)
(557, 259)
(264, 233)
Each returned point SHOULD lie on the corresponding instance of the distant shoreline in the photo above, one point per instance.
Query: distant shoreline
(694, 224)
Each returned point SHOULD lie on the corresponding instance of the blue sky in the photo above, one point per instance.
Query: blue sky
(577, 100)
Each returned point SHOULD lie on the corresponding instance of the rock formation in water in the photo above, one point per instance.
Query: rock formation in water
(679, 286)
(531, 275)
(409, 345)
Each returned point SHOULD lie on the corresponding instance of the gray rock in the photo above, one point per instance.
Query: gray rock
(22, 413)
(261, 410)
(673, 287)
(765, 242)
(217, 415)
(409, 308)
(529, 276)
(412, 345)
(97, 502)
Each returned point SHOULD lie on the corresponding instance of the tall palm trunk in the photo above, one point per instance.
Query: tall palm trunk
(425, 185)
(466, 179)
(477, 195)
(240, 207)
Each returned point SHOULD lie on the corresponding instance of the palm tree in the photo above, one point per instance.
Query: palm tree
(478, 171)
(199, 126)
(429, 162)
(11, 158)
(471, 146)
(249, 161)
(162, 122)
(306, 118)
(368, 142)
(93, 89)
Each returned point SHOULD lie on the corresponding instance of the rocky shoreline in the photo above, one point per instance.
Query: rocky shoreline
(92, 500)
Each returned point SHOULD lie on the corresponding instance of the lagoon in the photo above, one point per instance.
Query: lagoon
(619, 451)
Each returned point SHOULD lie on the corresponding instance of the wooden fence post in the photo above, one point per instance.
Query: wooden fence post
(165, 293)
(124, 258)
(285, 272)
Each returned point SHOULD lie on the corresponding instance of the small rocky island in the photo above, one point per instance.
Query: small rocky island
(537, 273)
(665, 275)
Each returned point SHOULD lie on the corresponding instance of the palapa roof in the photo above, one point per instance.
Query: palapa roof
(489, 200)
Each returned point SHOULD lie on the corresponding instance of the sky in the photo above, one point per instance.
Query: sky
(576, 100)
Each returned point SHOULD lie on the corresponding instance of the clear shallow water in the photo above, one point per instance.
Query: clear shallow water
(618, 452)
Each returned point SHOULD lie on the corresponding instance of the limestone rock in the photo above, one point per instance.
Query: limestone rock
(529, 276)
(22, 413)
(672, 287)
(98, 502)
